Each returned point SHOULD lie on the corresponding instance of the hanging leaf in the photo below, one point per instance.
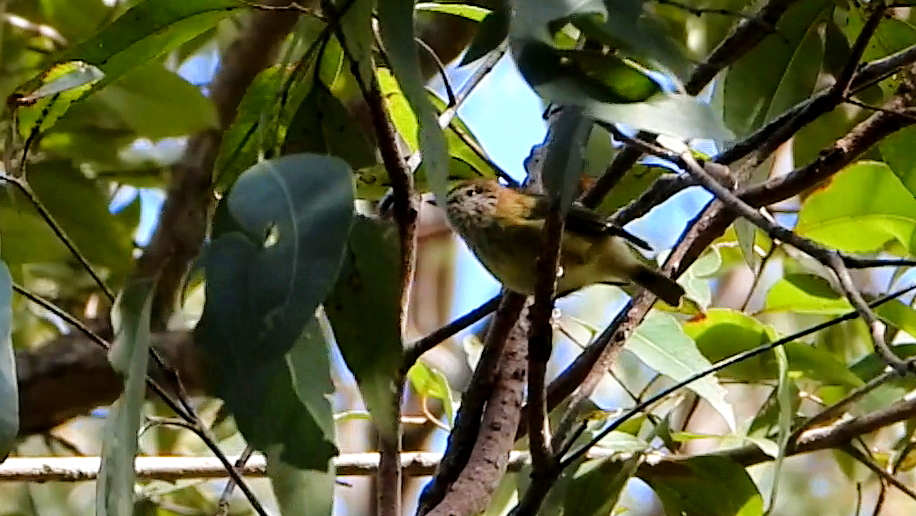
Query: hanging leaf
(279, 237)
(705, 485)
(114, 494)
(661, 344)
(364, 310)
(397, 31)
(9, 390)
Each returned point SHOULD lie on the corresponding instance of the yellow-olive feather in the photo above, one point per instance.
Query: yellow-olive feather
(503, 228)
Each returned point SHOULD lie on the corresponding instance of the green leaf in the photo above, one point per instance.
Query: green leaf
(157, 103)
(80, 207)
(49, 96)
(128, 355)
(397, 31)
(779, 71)
(363, 309)
(721, 333)
(786, 414)
(803, 293)
(261, 121)
(897, 151)
(303, 491)
(298, 491)
(432, 383)
(637, 31)
(9, 390)
(137, 37)
(661, 344)
(861, 209)
(491, 32)
(596, 486)
(471, 12)
(279, 237)
(705, 486)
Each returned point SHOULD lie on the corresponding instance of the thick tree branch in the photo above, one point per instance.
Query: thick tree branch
(467, 422)
(472, 490)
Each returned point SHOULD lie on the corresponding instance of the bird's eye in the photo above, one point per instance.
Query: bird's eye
(470, 193)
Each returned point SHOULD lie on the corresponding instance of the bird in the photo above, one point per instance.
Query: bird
(502, 226)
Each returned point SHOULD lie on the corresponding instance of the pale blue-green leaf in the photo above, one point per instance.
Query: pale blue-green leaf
(128, 355)
(300, 492)
(9, 391)
(661, 344)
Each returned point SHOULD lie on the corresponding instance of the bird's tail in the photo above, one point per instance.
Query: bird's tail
(659, 284)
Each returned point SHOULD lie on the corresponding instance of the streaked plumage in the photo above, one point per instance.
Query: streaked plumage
(503, 228)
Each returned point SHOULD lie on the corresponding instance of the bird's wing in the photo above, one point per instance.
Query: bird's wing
(584, 221)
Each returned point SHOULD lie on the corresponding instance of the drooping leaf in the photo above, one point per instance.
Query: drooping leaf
(299, 491)
(363, 309)
(279, 239)
(492, 30)
(9, 390)
(129, 355)
(138, 36)
(662, 345)
(861, 209)
(705, 485)
(397, 31)
(471, 12)
(261, 121)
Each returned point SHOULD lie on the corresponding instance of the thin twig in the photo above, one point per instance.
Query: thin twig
(856, 454)
(234, 474)
(828, 257)
(420, 346)
(181, 408)
(26, 190)
(722, 364)
(222, 507)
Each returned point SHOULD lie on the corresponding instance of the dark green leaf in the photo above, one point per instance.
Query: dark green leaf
(778, 72)
(278, 241)
(301, 492)
(363, 309)
(491, 31)
(596, 486)
(129, 355)
(705, 486)
(9, 391)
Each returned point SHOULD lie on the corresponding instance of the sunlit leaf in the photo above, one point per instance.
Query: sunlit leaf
(397, 31)
(662, 345)
(861, 209)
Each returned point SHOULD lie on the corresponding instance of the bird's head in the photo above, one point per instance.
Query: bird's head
(471, 203)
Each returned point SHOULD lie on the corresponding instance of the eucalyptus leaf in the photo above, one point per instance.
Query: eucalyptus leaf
(128, 355)
(9, 387)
